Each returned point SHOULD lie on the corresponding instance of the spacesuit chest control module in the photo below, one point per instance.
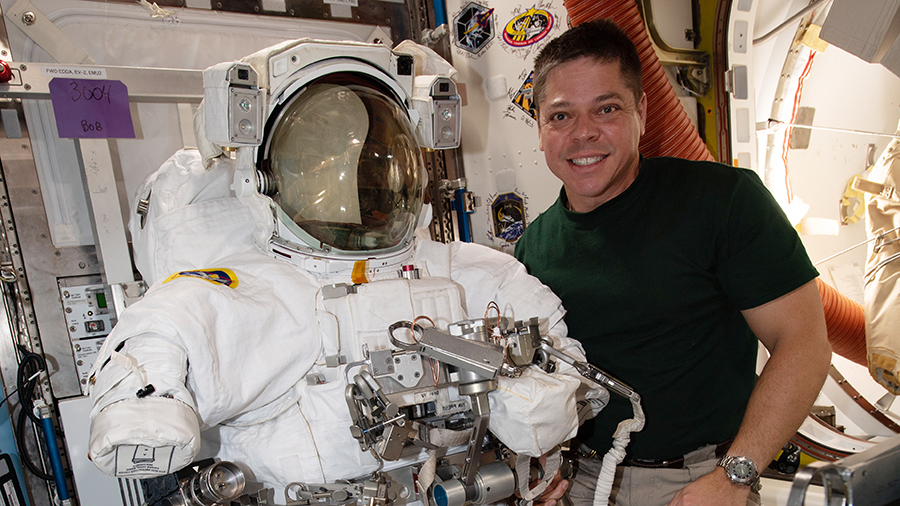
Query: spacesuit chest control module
(296, 332)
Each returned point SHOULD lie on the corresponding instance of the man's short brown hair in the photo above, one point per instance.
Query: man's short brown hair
(601, 40)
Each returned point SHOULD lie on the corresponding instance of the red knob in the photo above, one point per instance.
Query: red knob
(6, 74)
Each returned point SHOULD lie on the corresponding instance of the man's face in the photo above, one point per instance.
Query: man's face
(589, 127)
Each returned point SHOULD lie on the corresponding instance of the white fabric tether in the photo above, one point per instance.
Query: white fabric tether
(523, 472)
(129, 363)
(442, 438)
(616, 454)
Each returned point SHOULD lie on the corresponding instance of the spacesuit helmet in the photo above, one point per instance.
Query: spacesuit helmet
(329, 135)
(343, 167)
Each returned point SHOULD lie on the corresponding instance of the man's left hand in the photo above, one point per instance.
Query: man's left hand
(555, 489)
(714, 489)
(554, 492)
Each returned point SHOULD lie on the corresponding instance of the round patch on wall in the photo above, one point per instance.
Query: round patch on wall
(528, 27)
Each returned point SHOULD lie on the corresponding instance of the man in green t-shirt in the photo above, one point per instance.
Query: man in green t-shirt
(670, 271)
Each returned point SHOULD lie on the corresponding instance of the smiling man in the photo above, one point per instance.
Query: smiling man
(671, 272)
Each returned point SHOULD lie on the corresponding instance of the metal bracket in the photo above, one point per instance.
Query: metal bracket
(144, 84)
(42, 31)
(868, 477)
(106, 210)
(449, 186)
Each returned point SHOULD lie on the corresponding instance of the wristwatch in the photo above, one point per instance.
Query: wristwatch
(740, 470)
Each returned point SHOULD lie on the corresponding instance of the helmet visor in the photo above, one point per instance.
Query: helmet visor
(347, 167)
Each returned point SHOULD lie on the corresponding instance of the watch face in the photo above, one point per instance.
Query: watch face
(742, 469)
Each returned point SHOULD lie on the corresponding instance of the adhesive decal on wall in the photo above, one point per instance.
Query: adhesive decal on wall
(528, 27)
(508, 216)
(473, 28)
(524, 98)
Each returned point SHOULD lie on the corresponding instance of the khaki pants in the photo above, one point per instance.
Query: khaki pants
(638, 486)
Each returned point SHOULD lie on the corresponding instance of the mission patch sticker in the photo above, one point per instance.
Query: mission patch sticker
(508, 214)
(528, 27)
(473, 27)
(524, 98)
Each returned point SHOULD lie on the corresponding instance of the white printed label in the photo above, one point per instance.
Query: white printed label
(451, 408)
(11, 496)
(135, 460)
(351, 3)
(73, 72)
(429, 396)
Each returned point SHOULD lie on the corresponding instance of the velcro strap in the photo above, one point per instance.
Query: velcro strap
(129, 363)
(871, 187)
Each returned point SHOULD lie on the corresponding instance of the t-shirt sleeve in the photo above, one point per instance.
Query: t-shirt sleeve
(760, 255)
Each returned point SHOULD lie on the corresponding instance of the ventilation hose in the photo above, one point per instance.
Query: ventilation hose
(846, 323)
(669, 131)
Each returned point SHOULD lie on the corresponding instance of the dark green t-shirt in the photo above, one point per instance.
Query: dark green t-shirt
(653, 283)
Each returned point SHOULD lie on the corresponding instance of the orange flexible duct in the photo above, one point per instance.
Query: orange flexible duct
(669, 131)
(846, 324)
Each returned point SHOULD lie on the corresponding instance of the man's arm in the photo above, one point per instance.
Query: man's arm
(792, 328)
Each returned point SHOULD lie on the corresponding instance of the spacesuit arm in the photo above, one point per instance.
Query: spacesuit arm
(536, 411)
(144, 421)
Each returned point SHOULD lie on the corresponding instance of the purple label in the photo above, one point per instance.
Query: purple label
(91, 109)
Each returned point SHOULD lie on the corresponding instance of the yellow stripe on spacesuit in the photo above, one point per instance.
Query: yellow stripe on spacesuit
(225, 277)
(360, 268)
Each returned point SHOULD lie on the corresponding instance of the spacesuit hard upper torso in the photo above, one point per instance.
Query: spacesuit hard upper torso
(253, 351)
(254, 333)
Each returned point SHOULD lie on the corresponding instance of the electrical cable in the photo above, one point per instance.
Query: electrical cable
(21, 422)
(15, 390)
(26, 384)
(851, 248)
(30, 366)
(774, 124)
(7, 396)
(435, 365)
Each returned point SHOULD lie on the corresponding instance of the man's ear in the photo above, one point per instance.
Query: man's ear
(642, 111)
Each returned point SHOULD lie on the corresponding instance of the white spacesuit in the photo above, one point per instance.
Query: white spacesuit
(259, 306)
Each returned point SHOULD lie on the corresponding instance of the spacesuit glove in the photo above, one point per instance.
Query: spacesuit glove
(143, 420)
